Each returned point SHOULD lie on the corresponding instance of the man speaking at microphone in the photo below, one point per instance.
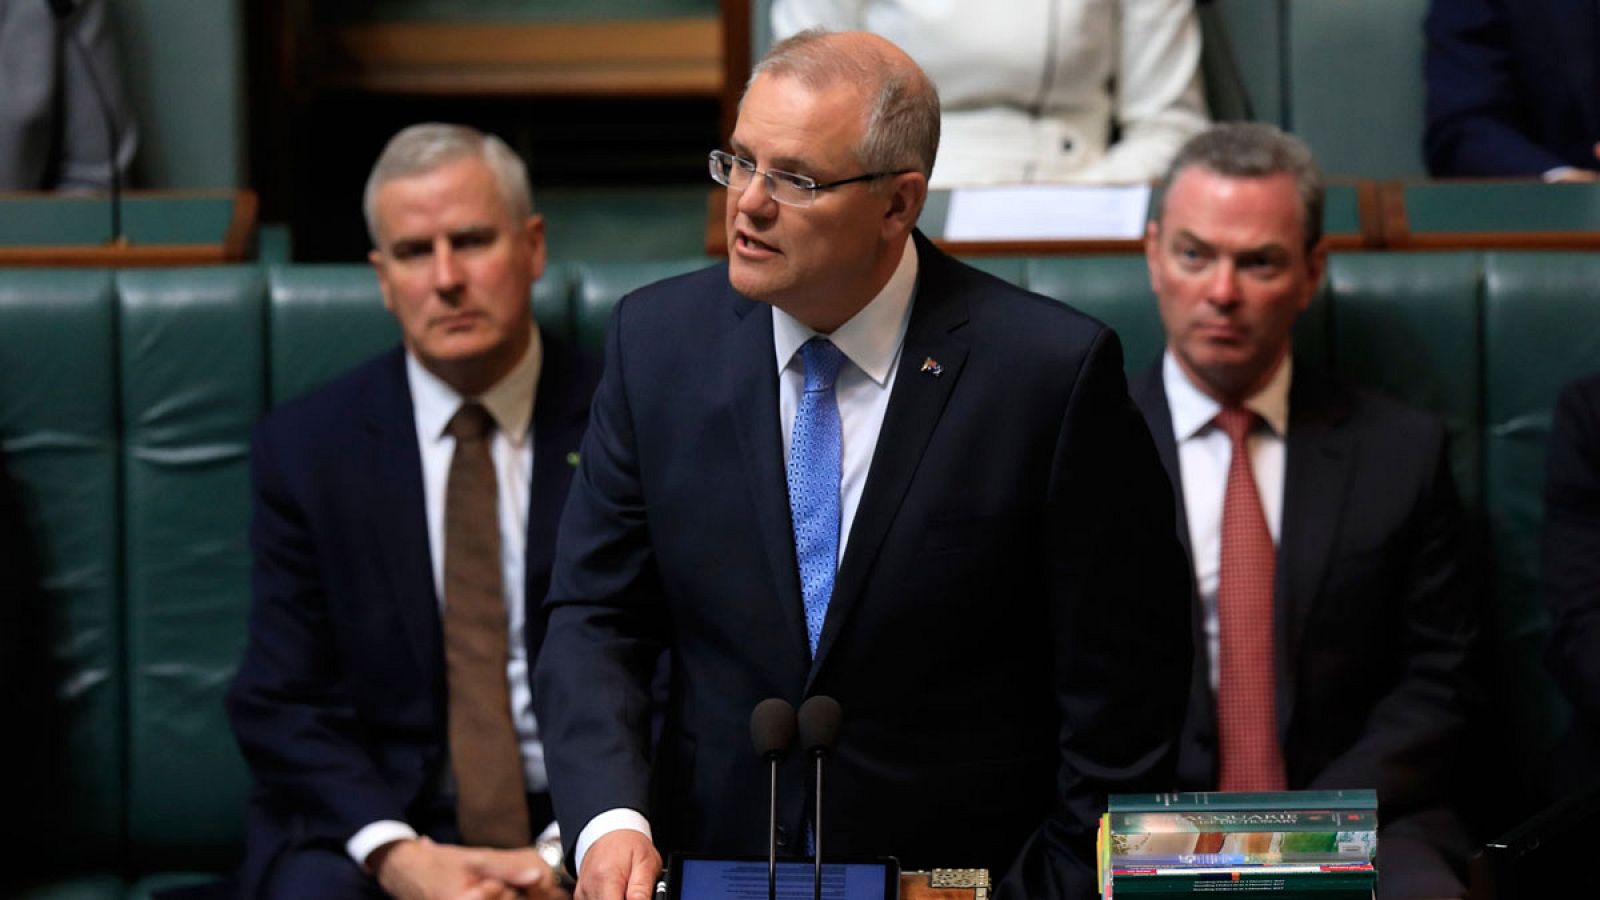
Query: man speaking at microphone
(846, 464)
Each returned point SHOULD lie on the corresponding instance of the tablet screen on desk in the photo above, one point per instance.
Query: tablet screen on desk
(724, 878)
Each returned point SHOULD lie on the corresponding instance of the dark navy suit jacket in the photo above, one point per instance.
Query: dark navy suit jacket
(339, 702)
(1375, 618)
(1513, 86)
(1009, 629)
(1572, 567)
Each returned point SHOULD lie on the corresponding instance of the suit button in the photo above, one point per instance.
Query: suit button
(783, 836)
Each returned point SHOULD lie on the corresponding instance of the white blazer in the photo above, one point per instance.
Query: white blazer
(1032, 89)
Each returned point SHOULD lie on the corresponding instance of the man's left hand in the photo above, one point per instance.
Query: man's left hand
(523, 871)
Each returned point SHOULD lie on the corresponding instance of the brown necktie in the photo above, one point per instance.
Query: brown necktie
(1246, 717)
(491, 804)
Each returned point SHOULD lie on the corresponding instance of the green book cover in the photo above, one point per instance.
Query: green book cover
(1234, 829)
(1239, 848)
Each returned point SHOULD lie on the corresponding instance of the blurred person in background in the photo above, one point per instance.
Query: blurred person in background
(59, 84)
(1089, 91)
(1514, 88)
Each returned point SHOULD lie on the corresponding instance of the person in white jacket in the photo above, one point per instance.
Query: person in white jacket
(1088, 91)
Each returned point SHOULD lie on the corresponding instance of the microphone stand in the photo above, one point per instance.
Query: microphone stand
(772, 827)
(818, 720)
(816, 825)
(772, 728)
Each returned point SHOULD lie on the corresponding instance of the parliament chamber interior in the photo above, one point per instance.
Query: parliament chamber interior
(133, 370)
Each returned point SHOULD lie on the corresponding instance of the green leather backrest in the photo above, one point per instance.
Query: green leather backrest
(324, 319)
(1355, 89)
(1113, 289)
(321, 320)
(1541, 330)
(184, 67)
(1253, 32)
(58, 429)
(599, 287)
(193, 374)
(1409, 325)
(1116, 290)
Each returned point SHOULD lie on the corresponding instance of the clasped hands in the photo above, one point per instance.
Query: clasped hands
(419, 869)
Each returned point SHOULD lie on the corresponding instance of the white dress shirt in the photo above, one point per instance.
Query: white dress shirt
(871, 341)
(510, 404)
(1204, 453)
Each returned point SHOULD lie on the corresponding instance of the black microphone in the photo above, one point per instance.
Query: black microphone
(772, 725)
(819, 732)
(62, 9)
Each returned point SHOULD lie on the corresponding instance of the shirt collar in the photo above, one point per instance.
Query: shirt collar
(872, 337)
(1193, 409)
(509, 402)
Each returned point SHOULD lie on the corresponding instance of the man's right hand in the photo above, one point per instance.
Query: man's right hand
(1570, 174)
(621, 865)
(419, 869)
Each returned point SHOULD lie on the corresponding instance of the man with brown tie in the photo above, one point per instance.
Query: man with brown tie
(404, 519)
(1334, 622)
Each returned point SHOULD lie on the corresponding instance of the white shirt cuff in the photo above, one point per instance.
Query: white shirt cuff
(551, 831)
(370, 838)
(611, 820)
(1558, 173)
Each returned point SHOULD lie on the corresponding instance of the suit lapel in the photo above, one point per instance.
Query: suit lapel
(1150, 395)
(1316, 469)
(560, 412)
(917, 400)
(752, 373)
(399, 514)
(1196, 769)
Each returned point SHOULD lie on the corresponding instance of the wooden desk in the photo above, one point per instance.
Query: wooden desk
(1502, 214)
(678, 57)
(163, 228)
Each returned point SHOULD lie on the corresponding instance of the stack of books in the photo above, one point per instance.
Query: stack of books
(1318, 845)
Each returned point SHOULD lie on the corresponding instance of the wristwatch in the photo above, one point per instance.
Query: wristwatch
(550, 850)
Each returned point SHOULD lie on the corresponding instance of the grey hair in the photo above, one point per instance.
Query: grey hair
(425, 147)
(902, 127)
(1252, 150)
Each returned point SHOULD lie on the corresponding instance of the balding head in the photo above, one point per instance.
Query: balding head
(902, 110)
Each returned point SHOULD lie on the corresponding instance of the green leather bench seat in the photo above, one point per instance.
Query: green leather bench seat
(126, 402)
(58, 430)
(1541, 328)
(625, 223)
(193, 380)
(1410, 325)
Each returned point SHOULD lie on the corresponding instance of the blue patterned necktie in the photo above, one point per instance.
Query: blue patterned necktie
(815, 449)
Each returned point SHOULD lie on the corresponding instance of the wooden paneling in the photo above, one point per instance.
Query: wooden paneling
(640, 57)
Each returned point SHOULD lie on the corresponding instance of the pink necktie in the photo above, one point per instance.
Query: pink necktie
(1247, 722)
